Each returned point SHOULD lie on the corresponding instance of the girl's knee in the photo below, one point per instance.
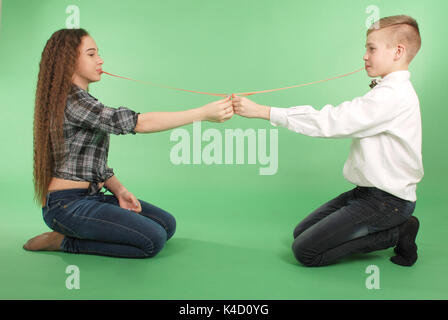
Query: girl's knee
(171, 226)
(162, 217)
(154, 242)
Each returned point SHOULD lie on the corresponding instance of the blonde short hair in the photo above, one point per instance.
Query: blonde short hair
(403, 29)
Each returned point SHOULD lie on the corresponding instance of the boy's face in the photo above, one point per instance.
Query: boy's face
(379, 57)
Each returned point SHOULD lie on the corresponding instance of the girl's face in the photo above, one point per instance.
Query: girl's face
(88, 67)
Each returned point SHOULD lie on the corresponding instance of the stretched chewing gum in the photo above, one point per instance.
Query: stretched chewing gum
(226, 95)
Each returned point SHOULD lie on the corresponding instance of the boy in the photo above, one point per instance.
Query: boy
(385, 161)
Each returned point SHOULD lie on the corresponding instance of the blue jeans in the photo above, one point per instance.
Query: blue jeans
(96, 224)
(361, 220)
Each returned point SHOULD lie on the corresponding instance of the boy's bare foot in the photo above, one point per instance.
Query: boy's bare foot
(48, 241)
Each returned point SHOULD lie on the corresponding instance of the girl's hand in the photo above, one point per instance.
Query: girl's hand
(218, 111)
(128, 201)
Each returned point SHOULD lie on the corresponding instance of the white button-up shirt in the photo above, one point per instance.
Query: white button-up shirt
(386, 132)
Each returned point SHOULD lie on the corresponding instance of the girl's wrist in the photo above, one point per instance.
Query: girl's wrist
(202, 114)
(121, 192)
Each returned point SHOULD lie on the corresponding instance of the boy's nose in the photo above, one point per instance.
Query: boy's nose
(365, 57)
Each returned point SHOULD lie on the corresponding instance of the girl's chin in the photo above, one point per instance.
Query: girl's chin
(96, 79)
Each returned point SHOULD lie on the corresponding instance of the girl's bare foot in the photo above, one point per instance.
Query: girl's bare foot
(48, 241)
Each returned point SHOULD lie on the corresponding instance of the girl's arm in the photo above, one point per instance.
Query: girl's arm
(114, 186)
(126, 199)
(218, 111)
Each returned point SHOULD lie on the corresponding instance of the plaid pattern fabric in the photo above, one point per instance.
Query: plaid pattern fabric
(87, 125)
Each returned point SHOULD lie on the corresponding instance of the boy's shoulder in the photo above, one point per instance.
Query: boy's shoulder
(397, 88)
(396, 92)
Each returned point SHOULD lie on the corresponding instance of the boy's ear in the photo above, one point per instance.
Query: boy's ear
(400, 51)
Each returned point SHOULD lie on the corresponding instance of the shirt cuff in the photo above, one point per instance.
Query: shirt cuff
(135, 122)
(278, 117)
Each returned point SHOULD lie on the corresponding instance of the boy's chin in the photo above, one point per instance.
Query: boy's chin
(372, 74)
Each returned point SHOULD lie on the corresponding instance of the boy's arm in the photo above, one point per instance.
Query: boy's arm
(361, 117)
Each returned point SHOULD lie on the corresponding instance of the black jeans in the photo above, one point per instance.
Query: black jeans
(361, 220)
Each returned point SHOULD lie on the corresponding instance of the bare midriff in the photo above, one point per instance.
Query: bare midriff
(57, 184)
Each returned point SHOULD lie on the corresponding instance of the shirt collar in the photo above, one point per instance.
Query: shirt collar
(401, 75)
(75, 87)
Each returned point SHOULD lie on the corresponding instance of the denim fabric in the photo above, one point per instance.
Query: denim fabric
(361, 220)
(96, 224)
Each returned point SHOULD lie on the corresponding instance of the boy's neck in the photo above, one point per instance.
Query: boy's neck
(400, 68)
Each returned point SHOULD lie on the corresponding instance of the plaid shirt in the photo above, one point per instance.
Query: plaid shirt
(87, 125)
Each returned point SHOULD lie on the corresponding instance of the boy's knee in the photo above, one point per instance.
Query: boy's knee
(297, 231)
(304, 254)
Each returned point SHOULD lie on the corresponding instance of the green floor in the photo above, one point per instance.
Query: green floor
(238, 249)
(234, 225)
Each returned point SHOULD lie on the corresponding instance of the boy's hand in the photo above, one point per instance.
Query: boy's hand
(249, 109)
(128, 201)
(218, 111)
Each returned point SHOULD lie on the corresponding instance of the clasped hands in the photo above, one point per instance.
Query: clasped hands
(224, 109)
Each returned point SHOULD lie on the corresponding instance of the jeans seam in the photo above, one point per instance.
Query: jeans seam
(65, 227)
(159, 221)
(119, 225)
(112, 255)
(150, 216)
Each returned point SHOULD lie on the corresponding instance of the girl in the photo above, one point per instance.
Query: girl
(71, 143)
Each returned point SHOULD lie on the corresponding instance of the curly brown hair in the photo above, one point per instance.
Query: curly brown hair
(56, 69)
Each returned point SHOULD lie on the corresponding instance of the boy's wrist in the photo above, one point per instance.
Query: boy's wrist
(264, 112)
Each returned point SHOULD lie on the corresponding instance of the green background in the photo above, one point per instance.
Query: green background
(234, 226)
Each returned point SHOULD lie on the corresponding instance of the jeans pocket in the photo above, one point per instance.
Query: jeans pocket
(63, 203)
(47, 216)
(408, 210)
(50, 211)
(401, 207)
